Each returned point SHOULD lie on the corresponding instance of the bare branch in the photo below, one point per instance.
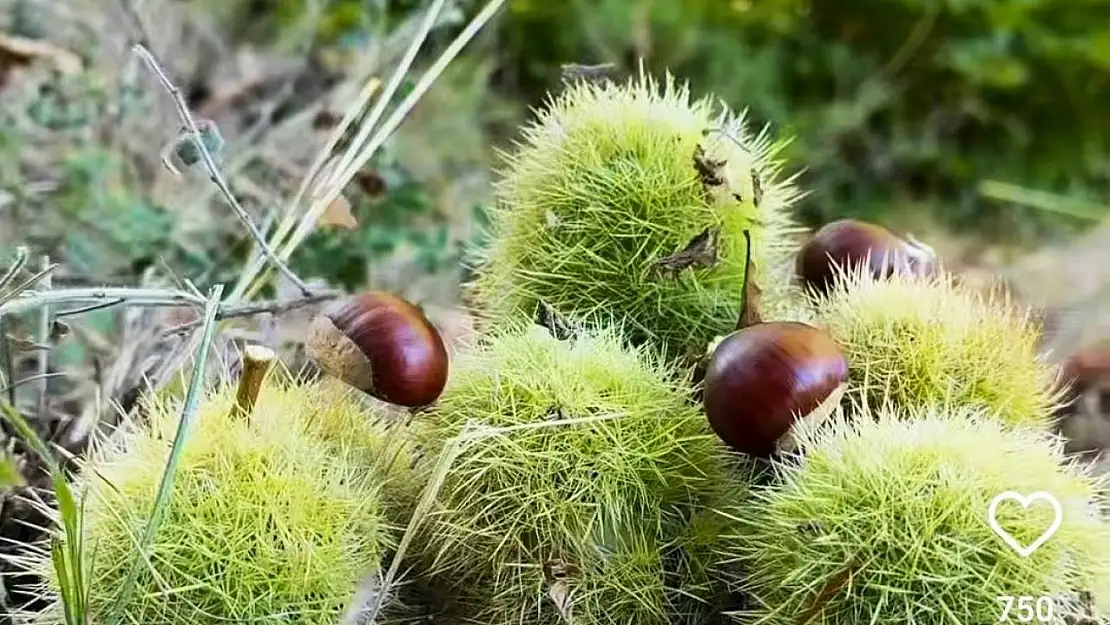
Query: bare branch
(213, 171)
(232, 312)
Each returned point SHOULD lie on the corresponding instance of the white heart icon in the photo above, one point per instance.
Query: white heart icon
(1025, 502)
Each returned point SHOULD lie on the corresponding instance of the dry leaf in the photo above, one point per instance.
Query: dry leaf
(701, 251)
(709, 170)
(560, 328)
(339, 214)
(757, 189)
(559, 592)
(20, 51)
(558, 574)
(750, 307)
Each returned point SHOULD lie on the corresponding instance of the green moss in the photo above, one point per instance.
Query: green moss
(886, 523)
(608, 469)
(921, 341)
(604, 186)
(267, 520)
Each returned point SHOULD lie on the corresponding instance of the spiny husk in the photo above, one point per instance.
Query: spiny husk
(603, 186)
(884, 520)
(609, 471)
(276, 517)
(916, 341)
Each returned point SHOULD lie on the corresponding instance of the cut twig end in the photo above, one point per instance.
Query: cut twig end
(257, 362)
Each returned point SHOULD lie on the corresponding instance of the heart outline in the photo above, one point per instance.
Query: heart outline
(1025, 501)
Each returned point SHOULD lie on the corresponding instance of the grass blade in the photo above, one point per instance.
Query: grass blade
(359, 153)
(1042, 200)
(165, 487)
(67, 550)
(357, 156)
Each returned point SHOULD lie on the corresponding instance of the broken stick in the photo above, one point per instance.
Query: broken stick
(257, 361)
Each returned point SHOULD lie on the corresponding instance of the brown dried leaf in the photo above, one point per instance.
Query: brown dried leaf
(750, 313)
(558, 573)
(338, 214)
(757, 189)
(557, 569)
(709, 170)
(560, 327)
(560, 595)
(701, 251)
(19, 51)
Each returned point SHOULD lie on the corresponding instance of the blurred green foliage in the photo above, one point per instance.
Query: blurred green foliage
(96, 215)
(892, 103)
(395, 215)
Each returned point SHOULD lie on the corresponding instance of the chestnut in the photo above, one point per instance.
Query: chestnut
(1085, 369)
(382, 345)
(849, 243)
(763, 378)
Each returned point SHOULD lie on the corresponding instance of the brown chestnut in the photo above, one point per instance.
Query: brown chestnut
(763, 378)
(382, 345)
(1085, 369)
(849, 243)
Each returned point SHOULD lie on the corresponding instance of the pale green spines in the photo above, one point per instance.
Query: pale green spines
(608, 473)
(267, 520)
(886, 523)
(916, 341)
(603, 185)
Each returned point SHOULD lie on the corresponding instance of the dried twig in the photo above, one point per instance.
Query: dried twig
(7, 361)
(44, 336)
(132, 296)
(213, 171)
(34, 378)
(233, 312)
(41, 276)
(15, 268)
(257, 361)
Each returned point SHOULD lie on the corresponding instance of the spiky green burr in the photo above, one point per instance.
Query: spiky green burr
(271, 518)
(916, 341)
(885, 520)
(609, 186)
(596, 501)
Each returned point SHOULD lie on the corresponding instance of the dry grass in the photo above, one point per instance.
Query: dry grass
(277, 171)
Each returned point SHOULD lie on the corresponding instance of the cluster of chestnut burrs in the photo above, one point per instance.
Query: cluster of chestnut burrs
(757, 382)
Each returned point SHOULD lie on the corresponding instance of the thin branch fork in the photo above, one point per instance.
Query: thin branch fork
(213, 171)
(135, 296)
(248, 310)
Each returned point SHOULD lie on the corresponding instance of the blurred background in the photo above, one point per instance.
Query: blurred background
(979, 126)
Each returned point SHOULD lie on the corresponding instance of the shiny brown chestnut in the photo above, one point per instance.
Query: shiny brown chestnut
(763, 378)
(849, 243)
(382, 345)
